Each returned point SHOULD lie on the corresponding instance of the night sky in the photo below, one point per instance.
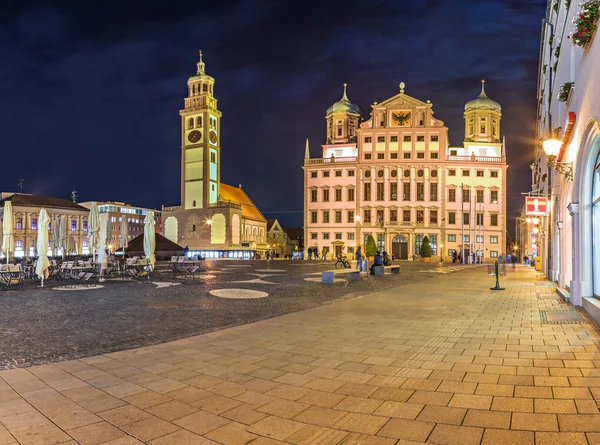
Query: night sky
(91, 91)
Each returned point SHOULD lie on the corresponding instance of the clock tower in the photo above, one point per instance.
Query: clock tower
(200, 143)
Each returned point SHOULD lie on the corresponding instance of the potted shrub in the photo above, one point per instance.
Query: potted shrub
(585, 23)
(426, 249)
(370, 248)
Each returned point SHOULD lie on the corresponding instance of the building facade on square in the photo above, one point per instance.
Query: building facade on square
(394, 176)
(568, 238)
(26, 211)
(214, 219)
(111, 214)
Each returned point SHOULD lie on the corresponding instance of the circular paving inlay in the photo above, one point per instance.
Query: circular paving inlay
(93, 286)
(271, 270)
(206, 276)
(238, 293)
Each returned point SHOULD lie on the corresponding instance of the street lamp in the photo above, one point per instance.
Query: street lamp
(552, 147)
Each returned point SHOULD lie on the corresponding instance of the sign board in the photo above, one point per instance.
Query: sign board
(536, 206)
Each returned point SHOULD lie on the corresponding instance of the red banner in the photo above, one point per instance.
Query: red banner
(535, 206)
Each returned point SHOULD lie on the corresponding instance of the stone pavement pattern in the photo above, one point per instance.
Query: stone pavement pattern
(447, 363)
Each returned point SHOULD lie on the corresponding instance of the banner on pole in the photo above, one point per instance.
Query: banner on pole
(536, 206)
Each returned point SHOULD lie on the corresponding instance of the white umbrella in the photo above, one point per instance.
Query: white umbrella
(149, 238)
(55, 226)
(8, 241)
(63, 241)
(42, 265)
(124, 241)
(93, 229)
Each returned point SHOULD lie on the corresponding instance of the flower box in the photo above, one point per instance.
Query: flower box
(585, 23)
(565, 91)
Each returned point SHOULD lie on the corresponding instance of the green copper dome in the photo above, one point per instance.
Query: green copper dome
(483, 102)
(200, 73)
(344, 105)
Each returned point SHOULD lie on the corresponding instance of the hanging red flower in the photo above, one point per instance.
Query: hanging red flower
(585, 22)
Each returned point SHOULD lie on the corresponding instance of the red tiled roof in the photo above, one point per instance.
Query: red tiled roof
(236, 194)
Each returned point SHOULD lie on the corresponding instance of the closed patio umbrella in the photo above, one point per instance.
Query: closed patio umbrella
(63, 241)
(124, 240)
(42, 265)
(55, 226)
(8, 241)
(149, 238)
(94, 229)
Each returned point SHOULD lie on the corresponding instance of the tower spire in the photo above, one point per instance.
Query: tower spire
(200, 64)
(482, 88)
(345, 97)
(306, 150)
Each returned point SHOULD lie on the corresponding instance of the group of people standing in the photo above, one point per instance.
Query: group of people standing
(313, 252)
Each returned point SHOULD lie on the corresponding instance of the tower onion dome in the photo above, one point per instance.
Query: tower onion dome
(344, 105)
(483, 101)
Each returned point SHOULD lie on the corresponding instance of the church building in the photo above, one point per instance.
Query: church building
(214, 219)
(396, 178)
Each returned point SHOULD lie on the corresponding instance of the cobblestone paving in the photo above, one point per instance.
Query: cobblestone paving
(449, 363)
(48, 325)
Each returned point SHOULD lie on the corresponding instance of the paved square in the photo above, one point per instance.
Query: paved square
(442, 360)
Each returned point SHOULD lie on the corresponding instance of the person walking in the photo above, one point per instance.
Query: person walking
(358, 256)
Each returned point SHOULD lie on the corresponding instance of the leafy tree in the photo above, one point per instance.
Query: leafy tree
(371, 247)
(426, 248)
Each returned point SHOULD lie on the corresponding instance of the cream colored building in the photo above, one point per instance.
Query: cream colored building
(26, 211)
(214, 219)
(395, 176)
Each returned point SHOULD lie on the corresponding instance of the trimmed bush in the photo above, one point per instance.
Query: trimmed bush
(371, 247)
(426, 248)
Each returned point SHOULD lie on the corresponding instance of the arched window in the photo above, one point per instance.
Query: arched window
(191, 122)
(199, 122)
(204, 88)
(418, 244)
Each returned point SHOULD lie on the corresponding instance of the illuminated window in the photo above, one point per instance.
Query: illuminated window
(406, 215)
(494, 196)
(493, 174)
(394, 139)
(199, 121)
(34, 223)
(451, 238)
(434, 138)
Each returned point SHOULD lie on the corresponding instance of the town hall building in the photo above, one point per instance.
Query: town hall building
(214, 219)
(396, 177)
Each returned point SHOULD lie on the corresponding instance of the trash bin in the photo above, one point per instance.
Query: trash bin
(491, 271)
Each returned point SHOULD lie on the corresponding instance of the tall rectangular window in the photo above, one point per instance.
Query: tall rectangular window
(19, 224)
(452, 195)
(451, 238)
(367, 191)
(379, 215)
(420, 216)
(480, 219)
(313, 217)
(367, 215)
(313, 195)
(338, 216)
(350, 216)
(393, 191)
(326, 195)
(325, 216)
(433, 191)
(451, 217)
(351, 195)
(406, 194)
(466, 195)
(380, 195)
(338, 194)
(394, 215)
(33, 223)
(466, 218)
(406, 216)
(494, 196)
(420, 191)
(73, 224)
(433, 216)
(494, 219)
(479, 195)
(85, 226)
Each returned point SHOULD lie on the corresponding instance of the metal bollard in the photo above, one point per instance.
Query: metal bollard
(497, 287)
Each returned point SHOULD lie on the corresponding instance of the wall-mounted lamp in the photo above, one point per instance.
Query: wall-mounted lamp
(552, 147)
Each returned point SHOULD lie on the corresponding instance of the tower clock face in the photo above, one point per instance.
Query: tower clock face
(213, 137)
(194, 136)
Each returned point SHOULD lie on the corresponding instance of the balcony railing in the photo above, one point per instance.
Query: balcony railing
(221, 204)
(331, 160)
(171, 208)
(497, 159)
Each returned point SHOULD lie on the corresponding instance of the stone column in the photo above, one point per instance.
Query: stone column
(577, 281)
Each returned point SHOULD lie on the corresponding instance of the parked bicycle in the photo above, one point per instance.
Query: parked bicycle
(342, 263)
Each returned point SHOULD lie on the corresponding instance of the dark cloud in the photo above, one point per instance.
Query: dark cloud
(94, 89)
